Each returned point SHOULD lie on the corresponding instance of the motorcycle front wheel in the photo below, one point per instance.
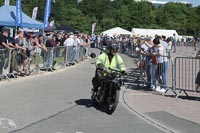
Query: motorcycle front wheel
(112, 105)
(94, 98)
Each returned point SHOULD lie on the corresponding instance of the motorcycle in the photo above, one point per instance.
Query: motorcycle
(108, 92)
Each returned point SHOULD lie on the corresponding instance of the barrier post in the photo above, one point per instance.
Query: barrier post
(9, 73)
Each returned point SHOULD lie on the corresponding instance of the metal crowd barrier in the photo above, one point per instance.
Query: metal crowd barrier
(185, 72)
(4, 63)
(154, 75)
(60, 55)
(185, 47)
(181, 74)
(39, 59)
(82, 52)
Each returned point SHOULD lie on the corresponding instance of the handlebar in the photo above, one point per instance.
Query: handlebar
(114, 69)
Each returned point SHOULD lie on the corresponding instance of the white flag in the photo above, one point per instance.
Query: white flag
(51, 24)
(93, 27)
(34, 14)
(6, 2)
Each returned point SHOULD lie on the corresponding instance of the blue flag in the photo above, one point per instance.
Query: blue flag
(18, 20)
(47, 13)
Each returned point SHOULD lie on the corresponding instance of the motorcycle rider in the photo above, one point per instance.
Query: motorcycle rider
(107, 59)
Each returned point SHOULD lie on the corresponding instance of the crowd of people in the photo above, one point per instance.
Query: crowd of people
(154, 52)
(27, 45)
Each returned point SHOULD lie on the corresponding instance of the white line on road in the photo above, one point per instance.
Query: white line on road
(7, 123)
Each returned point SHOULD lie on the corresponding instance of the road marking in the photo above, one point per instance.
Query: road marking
(7, 123)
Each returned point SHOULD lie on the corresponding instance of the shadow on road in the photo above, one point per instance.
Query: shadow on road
(88, 103)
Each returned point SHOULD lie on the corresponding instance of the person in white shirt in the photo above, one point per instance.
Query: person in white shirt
(69, 43)
(159, 68)
(165, 61)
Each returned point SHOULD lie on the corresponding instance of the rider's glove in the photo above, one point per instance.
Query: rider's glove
(123, 73)
(100, 66)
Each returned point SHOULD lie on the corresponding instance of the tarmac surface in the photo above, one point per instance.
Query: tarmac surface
(174, 115)
(179, 115)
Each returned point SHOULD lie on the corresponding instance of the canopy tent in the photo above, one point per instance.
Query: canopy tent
(153, 32)
(117, 31)
(49, 29)
(65, 29)
(7, 19)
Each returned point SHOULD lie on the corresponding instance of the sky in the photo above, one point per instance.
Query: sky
(193, 2)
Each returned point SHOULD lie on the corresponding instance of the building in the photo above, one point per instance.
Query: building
(156, 2)
(161, 3)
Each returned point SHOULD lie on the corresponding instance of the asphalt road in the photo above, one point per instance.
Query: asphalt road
(59, 102)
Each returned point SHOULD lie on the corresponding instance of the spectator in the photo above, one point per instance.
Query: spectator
(51, 44)
(69, 43)
(41, 49)
(149, 44)
(29, 44)
(88, 43)
(165, 61)
(143, 51)
(3, 45)
(169, 41)
(174, 41)
(195, 41)
(76, 47)
(158, 64)
(22, 58)
(197, 81)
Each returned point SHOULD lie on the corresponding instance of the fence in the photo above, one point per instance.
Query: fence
(185, 71)
(180, 74)
(12, 61)
(4, 63)
(155, 74)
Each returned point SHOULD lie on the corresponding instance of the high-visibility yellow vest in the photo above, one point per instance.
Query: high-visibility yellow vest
(116, 62)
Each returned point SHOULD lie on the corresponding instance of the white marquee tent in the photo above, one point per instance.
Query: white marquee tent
(117, 31)
(153, 32)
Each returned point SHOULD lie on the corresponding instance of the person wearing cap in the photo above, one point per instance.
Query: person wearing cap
(4, 44)
(4, 40)
(108, 59)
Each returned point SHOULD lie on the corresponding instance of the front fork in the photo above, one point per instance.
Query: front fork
(115, 85)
